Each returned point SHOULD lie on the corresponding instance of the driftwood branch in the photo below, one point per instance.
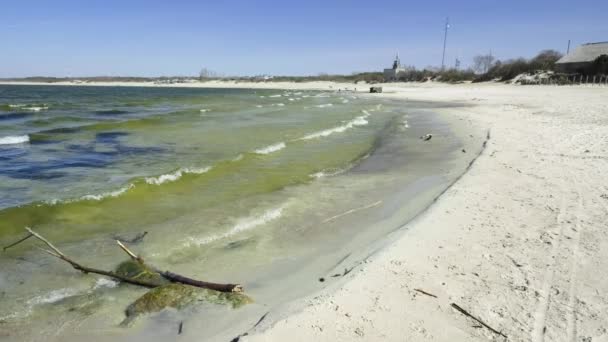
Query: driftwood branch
(54, 251)
(176, 278)
(131, 254)
(464, 312)
(425, 293)
(17, 242)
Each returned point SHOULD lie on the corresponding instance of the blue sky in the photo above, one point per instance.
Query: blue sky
(179, 37)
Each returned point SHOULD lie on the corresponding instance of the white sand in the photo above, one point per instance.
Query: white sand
(520, 241)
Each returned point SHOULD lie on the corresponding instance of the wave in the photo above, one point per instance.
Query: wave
(28, 108)
(278, 104)
(14, 139)
(241, 226)
(107, 194)
(53, 296)
(204, 110)
(325, 105)
(358, 121)
(172, 177)
(271, 148)
(327, 173)
(277, 95)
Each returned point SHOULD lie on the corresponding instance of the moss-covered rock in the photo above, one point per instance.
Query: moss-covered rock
(135, 270)
(179, 296)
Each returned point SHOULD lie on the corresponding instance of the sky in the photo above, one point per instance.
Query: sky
(179, 37)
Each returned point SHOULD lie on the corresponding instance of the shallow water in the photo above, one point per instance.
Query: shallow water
(269, 188)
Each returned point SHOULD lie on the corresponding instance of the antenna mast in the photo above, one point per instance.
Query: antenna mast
(445, 39)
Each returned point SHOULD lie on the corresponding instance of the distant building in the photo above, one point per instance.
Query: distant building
(581, 57)
(392, 74)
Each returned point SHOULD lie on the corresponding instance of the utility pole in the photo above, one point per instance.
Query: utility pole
(568, 51)
(445, 39)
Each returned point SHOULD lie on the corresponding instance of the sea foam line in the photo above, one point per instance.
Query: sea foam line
(241, 226)
(14, 139)
(115, 193)
(172, 177)
(348, 212)
(271, 148)
(358, 121)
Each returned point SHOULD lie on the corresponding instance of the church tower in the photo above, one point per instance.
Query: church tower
(397, 62)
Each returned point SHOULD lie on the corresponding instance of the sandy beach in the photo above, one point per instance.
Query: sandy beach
(519, 241)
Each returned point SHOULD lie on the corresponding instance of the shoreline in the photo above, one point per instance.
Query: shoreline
(517, 241)
(356, 247)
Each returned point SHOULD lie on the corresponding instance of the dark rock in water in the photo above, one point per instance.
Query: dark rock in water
(375, 89)
(426, 137)
(238, 243)
(135, 270)
(179, 296)
(131, 240)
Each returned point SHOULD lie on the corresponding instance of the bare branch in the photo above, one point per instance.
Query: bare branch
(17, 242)
(131, 254)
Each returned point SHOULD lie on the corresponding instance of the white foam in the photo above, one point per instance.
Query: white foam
(278, 104)
(14, 139)
(277, 95)
(204, 110)
(35, 109)
(259, 106)
(345, 101)
(358, 121)
(241, 226)
(115, 193)
(291, 99)
(25, 107)
(271, 148)
(105, 282)
(52, 296)
(324, 105)
(322, 174)
(172, 177)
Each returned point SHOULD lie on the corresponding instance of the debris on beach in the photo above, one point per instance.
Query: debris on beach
(426, 137)
(167, 289)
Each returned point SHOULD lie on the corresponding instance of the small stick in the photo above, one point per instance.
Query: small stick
(18, 242)
(131, 254)
(464, 312)
(179, 329)
(426, 293)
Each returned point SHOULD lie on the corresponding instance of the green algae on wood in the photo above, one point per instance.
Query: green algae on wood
(179, 296)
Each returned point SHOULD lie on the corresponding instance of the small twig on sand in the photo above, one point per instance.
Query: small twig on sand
(464, 312)
(425, 293)
(179, 329)
(17, 242)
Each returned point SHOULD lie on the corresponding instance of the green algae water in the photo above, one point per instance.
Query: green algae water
(230, 185)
